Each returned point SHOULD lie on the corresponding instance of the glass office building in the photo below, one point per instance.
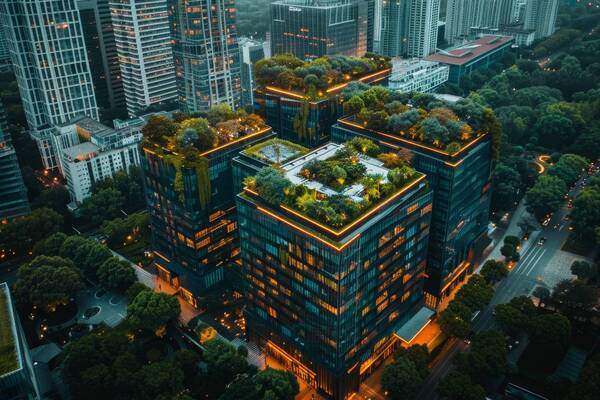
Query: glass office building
(194, 229)
(330, 304)
(461, 185)
(311, 29)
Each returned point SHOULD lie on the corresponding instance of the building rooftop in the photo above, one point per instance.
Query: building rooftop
(467, 52)
(9, 358)
(275, 151)
(334, 188)
(82, 151)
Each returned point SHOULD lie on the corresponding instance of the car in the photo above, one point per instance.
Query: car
(542, 241)
(546, 221)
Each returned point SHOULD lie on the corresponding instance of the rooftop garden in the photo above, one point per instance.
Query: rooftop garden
(275, 151)
(8, 356)
(185, 140)
(350, 187)
(313, 78)
(419, 117)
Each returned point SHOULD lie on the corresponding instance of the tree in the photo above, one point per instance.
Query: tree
(418, 354)
(49, 246)
(459, 386)
(158, 381)
(90, 256)
(487, 356)
(455, 320)
(507, 184)
(476, 293)
(568, 168)
(353, 105)
(22, 233)
(47, 282)
(508, 251)
(152, 311)
(512, 240)
(159, 129)
(494, 271)
(56, 198)
(586, 212)
(271, 184)
(220, 113)
(115, 274)
(71, 245)
(135, 289)
(551, 331)
(207, 137)
(276, 384)
(546, 196)
(583, 270)
(401, 380)
(103, 205)
(223, 363)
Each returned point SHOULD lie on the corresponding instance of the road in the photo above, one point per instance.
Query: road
(525, 276)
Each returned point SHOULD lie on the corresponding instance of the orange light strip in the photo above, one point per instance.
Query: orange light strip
(300, 229)
(454, 165)
(290, 358)
(411, 142)
(364, 366)
(236, 141)
(161, 256)
(364, 78)
(286, 92)
(463, 266)
(364, 216)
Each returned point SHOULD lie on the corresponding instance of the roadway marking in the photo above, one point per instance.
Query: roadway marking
(530, 270)
(532, 252)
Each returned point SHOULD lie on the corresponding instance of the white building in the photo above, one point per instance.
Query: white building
(91, 152)
(523, 38)
(46, 45)
(422, 28)
(417, 75)
(540, 16)
(462, 15)
(143, 39)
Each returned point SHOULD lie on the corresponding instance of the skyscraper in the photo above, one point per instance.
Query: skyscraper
(409, 27)
(250, 52)
(143, 39)
(461, 15)
(313, 28)
(206, 54)
(540, 15)
(102, 52)
(45, 40)
(13, 194)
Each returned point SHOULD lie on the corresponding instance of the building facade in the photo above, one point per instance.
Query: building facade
(91, 152)
(143, 40)
(17, 378)
(251, 51)
(523, 37)
(461, 198)
(540, 15)
(417, 75)
(471, 56)
(409, 27)
(13, 193)
(329, 305)
(194, 230)
(205, 51)
(310, 29)
(102, 53)
(47, 48)
(462, 15)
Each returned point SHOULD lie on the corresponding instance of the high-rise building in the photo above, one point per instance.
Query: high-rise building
(102, 53)
(13, 194)
(409, 27)
(191, 203)
(45, 40)
(540, 15)
(461, 183)
(143, 40)
(5, 62)
(310, 29)
(206, 54)
(331, 302)
(90, 152)
(462, 15)
(251, 51)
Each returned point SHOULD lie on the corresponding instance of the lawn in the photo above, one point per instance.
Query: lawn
(8, 356)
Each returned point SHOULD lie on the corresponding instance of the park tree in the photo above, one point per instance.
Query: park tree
(23, 233)
(401, 379)
(455, 320)
(71, 246)
(512, 240)
(568, 168)
(507, 184)
(115, 274)
(551, 331)
(104, 205)
(584, 270)
(134, 289)
(223, 363)
(508, 251)
(459, 386)
(588, 144)
(418, 354)
(546, 196)
(152, 311)
(276, 384)
(476, 293)
(160, 380)
(50, 246)
(586, 212)
(486, 357)
(494, 271)
(90, 256)
(573, 297)
(47, 282)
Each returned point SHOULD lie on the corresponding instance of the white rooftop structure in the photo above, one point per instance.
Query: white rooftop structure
(417, 75)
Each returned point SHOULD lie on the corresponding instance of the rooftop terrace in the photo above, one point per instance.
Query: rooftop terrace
(9, 360)
(335, 187)
(470, 51)
(275, 151)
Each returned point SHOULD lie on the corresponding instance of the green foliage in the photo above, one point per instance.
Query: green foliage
(266, 384)
(584, 270)
(115, 274)
(223, 362)
(103, 205)
(135, 289)
(586, 212)
(546, 196)
(455, 320)
(551, 331)
(47, 282)
(353, 105)
(418, 354)
(152, 311)
(512, 240)
(22, 233)
(129, 184)
(459, 386)
(516, 316)
(494, 271)
(50, 246)
(486, 357)
(508, 251)
(476, 293)
(8, 354)
(159, 129)
(401, 380)
(569, 168)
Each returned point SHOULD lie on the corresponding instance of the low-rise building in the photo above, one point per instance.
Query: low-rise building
(17, 378)
(523, 37)
(471, 56)
(417, 75)
(90, 152)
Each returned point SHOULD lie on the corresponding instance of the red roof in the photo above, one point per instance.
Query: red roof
(470, 51)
